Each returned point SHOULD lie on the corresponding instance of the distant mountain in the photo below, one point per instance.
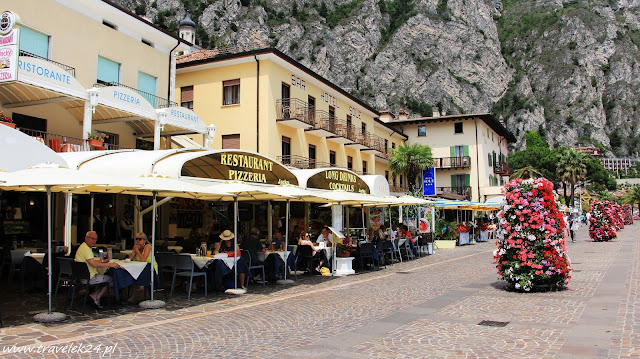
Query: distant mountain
(568, 69)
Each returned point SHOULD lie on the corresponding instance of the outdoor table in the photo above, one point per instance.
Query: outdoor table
(202, 262)
(131, 273)
(178, 249)
(262, 256)
(221, 266)
(37, 256)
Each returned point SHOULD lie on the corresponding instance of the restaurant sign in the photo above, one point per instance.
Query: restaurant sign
(122, 98)
(9, 50)
(185, 118)
(239, 166)
(338, 180)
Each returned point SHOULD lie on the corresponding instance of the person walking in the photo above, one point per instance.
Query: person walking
(575, 224)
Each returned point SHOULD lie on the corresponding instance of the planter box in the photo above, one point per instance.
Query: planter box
(94, 142)
(444, 244)
(464, 238)
(484, 236)
(9, 124)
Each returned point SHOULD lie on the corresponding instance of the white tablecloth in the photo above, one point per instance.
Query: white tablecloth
(134, 267)
(263, 255)
(328, 250)
(202, 262)
(37, 256)
(178, 249)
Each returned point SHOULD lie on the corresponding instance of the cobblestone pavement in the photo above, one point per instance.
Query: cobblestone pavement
(426, 308)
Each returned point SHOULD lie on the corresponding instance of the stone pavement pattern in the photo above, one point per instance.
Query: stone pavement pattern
(427, 308)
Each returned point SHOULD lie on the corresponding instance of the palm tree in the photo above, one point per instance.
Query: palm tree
(633, 196)
(410, 160)
(571, 170)
(527, 172)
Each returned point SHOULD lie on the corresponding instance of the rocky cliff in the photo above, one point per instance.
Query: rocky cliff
(565, 68)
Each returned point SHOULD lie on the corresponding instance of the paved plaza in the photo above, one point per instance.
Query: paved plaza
(426, 308)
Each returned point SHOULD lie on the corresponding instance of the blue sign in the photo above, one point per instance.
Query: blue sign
(429, 182)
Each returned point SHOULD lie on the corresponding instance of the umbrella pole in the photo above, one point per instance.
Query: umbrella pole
(286, 246)
(235, 241)
(49, 316)
(363, 225)
(152, 304)
(91, 210)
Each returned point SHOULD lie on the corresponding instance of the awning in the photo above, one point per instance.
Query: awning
(31, 151)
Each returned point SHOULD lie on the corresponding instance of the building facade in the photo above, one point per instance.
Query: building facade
(470, 152)
(264, 101)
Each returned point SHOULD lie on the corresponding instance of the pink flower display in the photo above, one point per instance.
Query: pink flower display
(603, 224)
(531, 246)
(627, 211)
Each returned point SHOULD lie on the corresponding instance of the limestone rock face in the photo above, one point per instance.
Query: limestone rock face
(566, 68)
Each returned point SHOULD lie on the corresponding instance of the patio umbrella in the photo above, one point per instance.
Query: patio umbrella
(57, 178)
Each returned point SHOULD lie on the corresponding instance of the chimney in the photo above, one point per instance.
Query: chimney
(402, 115)
(436, 113)
(386, 116)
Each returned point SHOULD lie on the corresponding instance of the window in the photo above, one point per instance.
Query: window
(350, 162)
(349, 129)
(490, 163)
(364, 129)
(108, 71)
(285, 93)
(113, 139)
(186, 97)
(231, 141)
(422, 130)
(457, 127)
(386, 175)
(311, 108)
(231, 92)
(286, 150)
(386, 145)
(332, 119)
(332, 158)
(364, 167)
(394, 181)
(312, 156)
(147, 42)
(147, 85)
(393, 145)
(108, 24)
(34, 42)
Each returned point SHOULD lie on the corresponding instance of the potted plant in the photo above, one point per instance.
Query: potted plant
(463, 233)
(484, 232)
(96, 140)
(343, 248)
(445, 234)
(6, 120)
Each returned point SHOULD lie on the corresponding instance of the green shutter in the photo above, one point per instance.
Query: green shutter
(467, 180)
(454, 182)
(453, 151)
(34, 42)
(490, 163)
(494, 157)
(147, 83)
(108, 71)
(466, 151)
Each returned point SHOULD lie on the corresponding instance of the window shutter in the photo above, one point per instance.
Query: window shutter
(467, 180)
(186, 94)
(231, 141)
(231, 82)
(108, 71)
(34, 42)
(453, 151)
(494, 157)
(466, 151)
(490, 164)
(147, 84)
(454, 181)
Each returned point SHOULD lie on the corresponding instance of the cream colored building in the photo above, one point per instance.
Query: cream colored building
(88, 66)
(470, 152)
(264, 101)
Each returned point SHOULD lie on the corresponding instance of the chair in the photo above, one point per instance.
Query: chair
(31, 272)
(166, 263)
(65, 274)
(81, 277)
(17, 256)
(396, 248)
(304, 257)
(386, 247)
(366, 252)
(247, 257)
(185, 268)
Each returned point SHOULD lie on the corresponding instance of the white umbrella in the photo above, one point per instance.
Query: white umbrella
(22, 151)
(57, 178)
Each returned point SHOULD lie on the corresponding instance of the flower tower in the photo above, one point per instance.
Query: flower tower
(628, 213)
(531, 245)
(601, 226)
(616, 212)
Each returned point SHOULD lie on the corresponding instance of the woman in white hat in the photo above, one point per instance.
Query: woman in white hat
(226, 246)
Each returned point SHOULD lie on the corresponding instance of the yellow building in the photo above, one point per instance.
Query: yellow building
(87, 66)
(264, 101)
(470, 152)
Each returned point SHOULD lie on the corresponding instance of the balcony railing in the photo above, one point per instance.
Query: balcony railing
(67, 68)
(156, 102)
(293, 108)
(459, 190)
(61, 143)
(501, 168)
(452, 162)
(397, 189)
(302, 162)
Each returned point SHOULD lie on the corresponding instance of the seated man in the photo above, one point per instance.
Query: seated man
(253, 245)
(325, 237)
(85, 254)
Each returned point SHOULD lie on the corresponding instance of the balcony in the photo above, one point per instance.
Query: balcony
(452, 162)
(295, 113)
(501, 168)
(155, 101)
(460, 192)
(331, 128)
(301, 162)
(61, 143)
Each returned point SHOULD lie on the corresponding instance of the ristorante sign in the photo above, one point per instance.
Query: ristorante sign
(239, 166)
(338, 180)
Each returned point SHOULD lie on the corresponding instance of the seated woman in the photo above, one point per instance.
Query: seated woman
(304, 239)
(221, 269)
(141, 253)
(278, 243)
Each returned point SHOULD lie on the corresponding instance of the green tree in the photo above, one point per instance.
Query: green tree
(537, 155)
(410, 160)
(527, 172)
(571, 170)
(633, 196)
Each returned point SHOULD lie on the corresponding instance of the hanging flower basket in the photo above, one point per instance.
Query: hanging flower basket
(95, 143)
